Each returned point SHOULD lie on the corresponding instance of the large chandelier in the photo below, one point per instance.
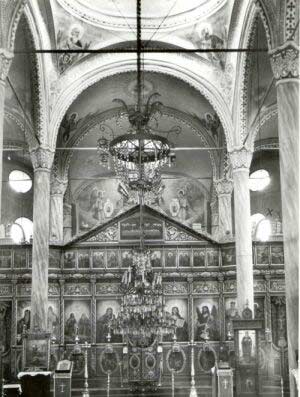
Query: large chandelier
(143, 317)
(139, 155)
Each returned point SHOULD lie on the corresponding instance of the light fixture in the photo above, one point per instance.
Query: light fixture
(259, 180)
(139, 155)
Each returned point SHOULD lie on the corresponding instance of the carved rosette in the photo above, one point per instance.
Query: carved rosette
(5, 62)
(58, 186)
(285, 61)
(240, 159)
(224, 186)
(42, 159)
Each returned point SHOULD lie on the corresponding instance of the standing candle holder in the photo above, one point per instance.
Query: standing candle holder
(85, 347)
(193, 391)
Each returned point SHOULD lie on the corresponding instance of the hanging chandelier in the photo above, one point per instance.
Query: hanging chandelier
(142, 317)
(139, 155)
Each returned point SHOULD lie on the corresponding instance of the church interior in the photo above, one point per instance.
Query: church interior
(149, 200)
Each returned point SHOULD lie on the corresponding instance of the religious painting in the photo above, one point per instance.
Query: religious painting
(184, 258)
(156, 258)
(278, 318)
(98, 259)
(108, 360)
(126, 258)
(130, 228)
(277, 255)
(262, 254)
(53, 319)
(247, 347)
(206, 319)
(83, 259)
(231, 313)
(228, 256)
(20, 258)
(5, 325)
(36, 351)
(23, 318)
(177, 312)
(101, 201)
(70, 260)
(54, 258)
(199, 257)
(170, 257)
(182, 199)
(176, 359)
(212, 256)
(106, 313)
(77, 320)
(5, 259)
(259, 308)
(112, 258)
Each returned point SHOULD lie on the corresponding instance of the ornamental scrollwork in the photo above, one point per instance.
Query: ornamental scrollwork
(42, 159)
(203, 287)
(277, 285)
(77, 289)
(285, 61)
(173, 234)
(109, 234)
(230, 286)
(175, 288)
(5, 290)
(224, 186)
(107, 288)
(259, 286)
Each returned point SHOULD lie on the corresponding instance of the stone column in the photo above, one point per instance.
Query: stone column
(5, 62)
(240, 161)
(285, 64)
(42, 161)
(57, 188)
(224, 189)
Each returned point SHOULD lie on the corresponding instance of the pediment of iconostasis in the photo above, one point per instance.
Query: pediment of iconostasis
(125, 229)
(80, 24)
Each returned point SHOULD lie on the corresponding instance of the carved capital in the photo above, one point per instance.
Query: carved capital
(224, 186)
(240, 159)
(285, 61)
(5, 62)
(58, 186)
(42, 159)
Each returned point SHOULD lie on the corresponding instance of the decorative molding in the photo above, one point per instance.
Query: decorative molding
(229, 286)
(58, 186)
(259, 286)
(206, 287)
(107, 288)
(5, 62)
(10, 14)
(107, 235)
(291, 18)
(240, 159)
(77, 289)
(42, 159)
(175, 288)
(174, 234)
(224, 186)
(277, 285)
(285, 61)
(5, 290)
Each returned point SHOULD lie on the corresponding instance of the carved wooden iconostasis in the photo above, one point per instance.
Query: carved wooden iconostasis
(199, 286)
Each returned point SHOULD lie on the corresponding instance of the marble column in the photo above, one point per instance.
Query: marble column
(42, 161)
(240, 161)
(285, 64)
(5, 62)
(57, 188)
(224, 190)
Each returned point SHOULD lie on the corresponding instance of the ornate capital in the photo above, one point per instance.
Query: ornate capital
(42, 159)
(285, 61)
(224, 186)
(5, 62)
(58, 186)
(240, 159)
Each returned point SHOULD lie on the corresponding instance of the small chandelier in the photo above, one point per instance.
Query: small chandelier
(142, 317)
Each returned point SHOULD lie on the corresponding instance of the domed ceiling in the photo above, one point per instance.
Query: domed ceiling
(118, 14)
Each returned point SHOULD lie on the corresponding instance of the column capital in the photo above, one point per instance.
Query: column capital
(240, 159)
(42, 159)
(224, 186)
(58, 186)
(5, 62)
(285, 61)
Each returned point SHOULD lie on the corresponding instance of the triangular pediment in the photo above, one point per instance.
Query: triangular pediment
(125, 228)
